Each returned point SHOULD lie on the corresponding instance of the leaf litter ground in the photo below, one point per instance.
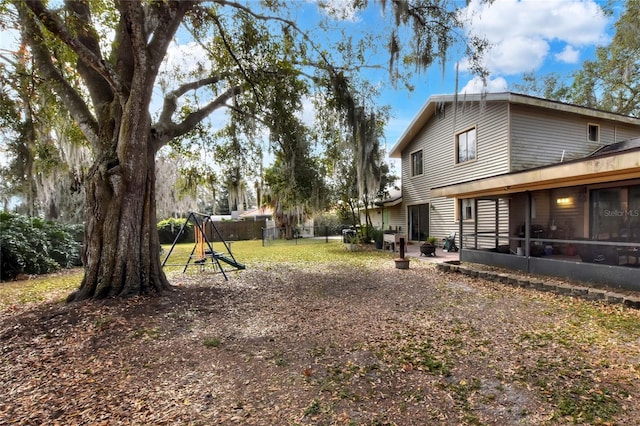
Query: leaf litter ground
(323, 344)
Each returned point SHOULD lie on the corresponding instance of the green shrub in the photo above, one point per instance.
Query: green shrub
(65, 246)
(377, 235)
(168, 229)
(35, 246)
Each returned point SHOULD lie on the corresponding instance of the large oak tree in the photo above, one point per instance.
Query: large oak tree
(103, 60)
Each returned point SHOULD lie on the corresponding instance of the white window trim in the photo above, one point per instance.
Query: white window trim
(456, 146)
(411, 174)
(458, 213)
(597, 126)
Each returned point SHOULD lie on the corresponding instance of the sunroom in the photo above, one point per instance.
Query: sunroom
(578, 219)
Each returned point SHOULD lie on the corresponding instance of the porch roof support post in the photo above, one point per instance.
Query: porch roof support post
(497, 212)
(460, 222)
(527, 225)
(475, 222)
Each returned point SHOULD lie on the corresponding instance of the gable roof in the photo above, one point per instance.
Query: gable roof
(395, 198)
(260, 212)
(429, 108)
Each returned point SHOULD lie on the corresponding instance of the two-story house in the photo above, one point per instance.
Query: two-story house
(527, 183)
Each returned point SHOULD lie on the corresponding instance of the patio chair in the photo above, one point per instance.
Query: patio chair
(450, 243)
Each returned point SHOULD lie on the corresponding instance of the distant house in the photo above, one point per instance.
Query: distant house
(257, 214)
(527, 183)
(391, 212)
(386, 214)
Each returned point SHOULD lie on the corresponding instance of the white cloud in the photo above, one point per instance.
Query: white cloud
(308, 113)
(569, 55)
(521, 32)
(9, 40)
(476, 85)
(517, 54)
(185, 58)
(343, 10)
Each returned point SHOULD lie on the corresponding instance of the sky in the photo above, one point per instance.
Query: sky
(525, 36)
(539, 36)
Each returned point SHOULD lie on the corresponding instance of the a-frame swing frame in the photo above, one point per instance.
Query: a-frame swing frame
(205, 249)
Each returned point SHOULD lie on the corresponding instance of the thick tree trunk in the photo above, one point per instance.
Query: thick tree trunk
(285, 220)
(122, 250)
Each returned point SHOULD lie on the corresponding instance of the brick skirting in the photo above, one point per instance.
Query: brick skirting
(540, 284)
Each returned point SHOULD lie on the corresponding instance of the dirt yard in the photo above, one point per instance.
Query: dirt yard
(324, 344)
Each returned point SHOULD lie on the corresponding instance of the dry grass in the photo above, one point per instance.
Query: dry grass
(321, 336)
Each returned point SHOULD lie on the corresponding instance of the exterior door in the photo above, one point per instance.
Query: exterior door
(418, 222)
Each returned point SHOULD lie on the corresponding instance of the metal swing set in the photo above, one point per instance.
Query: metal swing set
(203, 250)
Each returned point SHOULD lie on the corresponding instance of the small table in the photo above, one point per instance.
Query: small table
(393, 241)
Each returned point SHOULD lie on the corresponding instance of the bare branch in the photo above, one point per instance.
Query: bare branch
(166, 130)
(171, 99)
(287, 22)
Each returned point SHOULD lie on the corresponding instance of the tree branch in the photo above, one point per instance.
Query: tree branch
(169, 18)
(166, 130)
(337, 78)
(134, 18)
(69, 96)
(171, 99)
(233, 55)
(53, 24)
(99, 89)
(287, 22)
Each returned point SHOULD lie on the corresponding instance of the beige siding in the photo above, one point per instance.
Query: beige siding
(375, 214)
(440, 217)
(396, 218)
(616, 133)
(437, 140)
(509, 137)
(542, 137)
(443, 224)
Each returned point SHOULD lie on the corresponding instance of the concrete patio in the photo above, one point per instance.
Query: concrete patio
(413, 251)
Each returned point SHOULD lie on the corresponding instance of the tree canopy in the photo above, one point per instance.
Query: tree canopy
(109, 66)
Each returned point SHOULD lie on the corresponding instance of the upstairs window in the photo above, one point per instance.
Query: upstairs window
(466, 146)
(593, 133)
(416, 163)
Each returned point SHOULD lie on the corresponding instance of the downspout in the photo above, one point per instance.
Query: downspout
(509, 159)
